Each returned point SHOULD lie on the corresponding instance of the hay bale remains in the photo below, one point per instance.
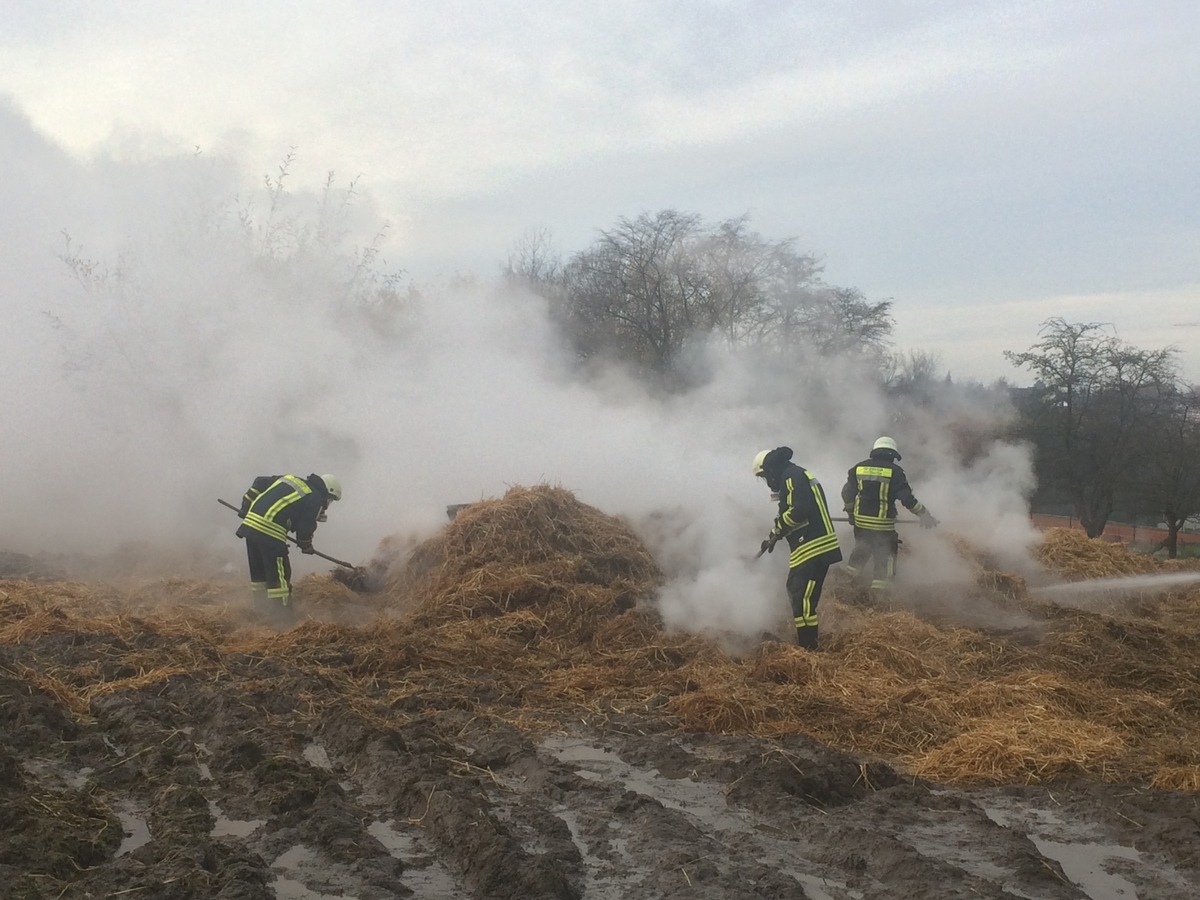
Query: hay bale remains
(1030, 745)
(1076, 557)
(537, 610)
(534, 548)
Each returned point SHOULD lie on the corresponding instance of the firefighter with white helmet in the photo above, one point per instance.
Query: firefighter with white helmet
(272, 506)
(872, 490)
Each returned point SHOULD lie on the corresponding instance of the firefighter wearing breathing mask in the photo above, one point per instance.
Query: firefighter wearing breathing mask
(803, 521)
(271, 507)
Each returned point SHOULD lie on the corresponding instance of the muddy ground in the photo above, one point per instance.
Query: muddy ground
(234, 783)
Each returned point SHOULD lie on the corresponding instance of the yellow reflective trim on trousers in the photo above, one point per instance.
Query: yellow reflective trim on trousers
(284, 591)
(808, 615)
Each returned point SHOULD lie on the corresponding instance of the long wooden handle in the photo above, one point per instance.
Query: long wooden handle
(292, 540)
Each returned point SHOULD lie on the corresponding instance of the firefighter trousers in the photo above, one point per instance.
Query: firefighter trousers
(804, 583)
(877, 549)
(270, 573)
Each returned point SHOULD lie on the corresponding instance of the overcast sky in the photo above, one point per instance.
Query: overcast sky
(985, 165)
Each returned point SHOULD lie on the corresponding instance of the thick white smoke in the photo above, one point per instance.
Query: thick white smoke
(177, 327)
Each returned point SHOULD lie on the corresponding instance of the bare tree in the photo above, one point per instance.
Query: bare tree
(650, 287)
(913, 374)
(638, 293)
(1171, 485)
(534, 260)
(1089, 411)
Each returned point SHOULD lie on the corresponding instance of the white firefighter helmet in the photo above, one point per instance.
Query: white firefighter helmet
(333, 486)
(887, 443)
(758, 461)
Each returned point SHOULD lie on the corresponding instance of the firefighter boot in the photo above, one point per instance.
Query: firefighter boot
(806, 637)
(283, 616)
(258, 597)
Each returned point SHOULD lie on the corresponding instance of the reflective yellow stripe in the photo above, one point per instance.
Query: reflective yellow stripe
(874, 523)
(266, 526)
(819, 496)
(808, 616)
(822, 543)
(288, 499)
(872, 473)
(265, 522)
(882, 477)
(282, 593)
(785, 522)
(811, 549)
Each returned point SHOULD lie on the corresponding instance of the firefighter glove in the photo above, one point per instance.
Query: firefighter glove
(305, 546)
(769, 544)
(927, 520)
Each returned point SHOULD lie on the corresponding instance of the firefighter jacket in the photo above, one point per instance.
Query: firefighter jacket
(872, 489)
(803, 519)
(277, 504)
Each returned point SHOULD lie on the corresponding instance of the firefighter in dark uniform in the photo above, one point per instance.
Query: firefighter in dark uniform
(273, 506)
(803, 521)
(872, 490)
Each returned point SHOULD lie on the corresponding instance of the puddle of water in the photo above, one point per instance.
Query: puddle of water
(1083, 861)
(702, 801)
(814, 888)
(1084, 865)
(137, 832)
(293, 858)
(430, 878)
(290, 889)
(205, 772)
(316, 755)
(401, 846)
(295, 864)
(226, 827)
(943, 841)
(600, 884)
(1024, 818)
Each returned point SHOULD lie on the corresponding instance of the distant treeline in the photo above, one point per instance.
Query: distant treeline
(1113, 427)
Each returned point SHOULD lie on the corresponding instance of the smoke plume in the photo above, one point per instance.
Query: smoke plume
(179, 325)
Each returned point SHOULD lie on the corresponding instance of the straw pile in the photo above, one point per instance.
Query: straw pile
(1075, 556)
(538, 609)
